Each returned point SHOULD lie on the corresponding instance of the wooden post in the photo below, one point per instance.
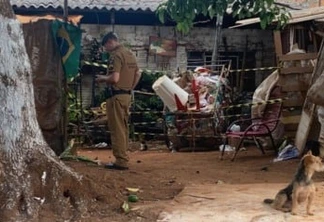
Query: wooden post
(112, 20)
(65, 11)
(309, 108)
(278, 44)
(65, 87)
(241, 75)
(218, 29)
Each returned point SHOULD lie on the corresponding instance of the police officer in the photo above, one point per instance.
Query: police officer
(121, 78)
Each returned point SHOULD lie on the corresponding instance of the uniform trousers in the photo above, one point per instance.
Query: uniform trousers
(117, 109)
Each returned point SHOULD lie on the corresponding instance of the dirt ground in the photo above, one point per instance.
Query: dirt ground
(160, 175)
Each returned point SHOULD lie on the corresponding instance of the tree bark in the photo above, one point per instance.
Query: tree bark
(32, 178)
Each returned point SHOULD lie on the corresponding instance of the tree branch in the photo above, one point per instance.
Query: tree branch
(286, 5)
(201, 22)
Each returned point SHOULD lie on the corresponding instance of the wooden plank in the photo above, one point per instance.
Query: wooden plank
(304, 127)
(296, 83)
(296, 70)
(299, 56)
(306, 18)
(277, 42)
(297, 16)
(294, 112)
(315, 41)
(291, 119)
(293, 102)
(309, 108)
(298, 87)
(291, 127)
(291, 134)
(294, 99)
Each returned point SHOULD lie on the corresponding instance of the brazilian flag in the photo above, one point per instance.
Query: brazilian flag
(68, 39)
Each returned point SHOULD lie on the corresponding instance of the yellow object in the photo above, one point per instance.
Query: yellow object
(103, 106)
(134, 190)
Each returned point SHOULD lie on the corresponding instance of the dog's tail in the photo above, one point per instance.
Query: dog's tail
(268, 201)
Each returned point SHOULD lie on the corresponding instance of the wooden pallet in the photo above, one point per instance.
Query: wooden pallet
(294, 78)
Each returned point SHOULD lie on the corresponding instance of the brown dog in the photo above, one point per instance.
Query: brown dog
(301, 188)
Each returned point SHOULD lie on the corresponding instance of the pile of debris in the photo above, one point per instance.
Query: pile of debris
(193, 102)
(199, 90)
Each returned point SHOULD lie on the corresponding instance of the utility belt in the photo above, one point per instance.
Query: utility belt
(113, 92)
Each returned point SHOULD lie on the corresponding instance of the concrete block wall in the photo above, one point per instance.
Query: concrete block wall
(199, 39)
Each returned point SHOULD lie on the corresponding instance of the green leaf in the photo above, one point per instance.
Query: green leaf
(263, 23)
(204, 10)
(211, 11)
(161, 17)
(184, 12)
(188, 15)
(235, 6)
(270, 2)
(71, 95)
(179, 27)
(86, 111)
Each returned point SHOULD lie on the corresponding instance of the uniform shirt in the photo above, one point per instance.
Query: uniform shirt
(124, 62)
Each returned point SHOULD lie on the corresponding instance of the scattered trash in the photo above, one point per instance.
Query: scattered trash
(220, 182)
(101, 145)
(264, 169)
(133, 190)
(132, 198)
(41, 200)
(125, 207)
(288, 152)
(143, 147)
(228, 148)
(80, 158)
(70, 154)
(44, 178)
(282, 146)
(242, 149)
(235, 128)
(172, 148)
(68, 149)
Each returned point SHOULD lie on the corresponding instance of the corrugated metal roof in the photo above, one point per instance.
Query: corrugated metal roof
(144, 5)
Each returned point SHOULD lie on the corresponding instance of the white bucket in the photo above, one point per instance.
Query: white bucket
(165, 88)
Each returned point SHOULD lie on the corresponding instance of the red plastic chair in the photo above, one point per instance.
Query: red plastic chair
(259, 127)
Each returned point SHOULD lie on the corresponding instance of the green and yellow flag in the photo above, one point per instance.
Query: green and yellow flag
(68, 39)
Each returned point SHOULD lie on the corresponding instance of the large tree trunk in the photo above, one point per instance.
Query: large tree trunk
(32, 178)
(47, 75)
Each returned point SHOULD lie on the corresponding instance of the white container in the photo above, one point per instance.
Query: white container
(166, 89)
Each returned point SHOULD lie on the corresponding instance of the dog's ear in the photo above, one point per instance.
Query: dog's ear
(309, 152)
(308, 160)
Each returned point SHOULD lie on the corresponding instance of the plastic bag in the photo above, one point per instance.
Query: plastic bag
(288, 152)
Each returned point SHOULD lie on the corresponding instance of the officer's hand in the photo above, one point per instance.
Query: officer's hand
(101, 78)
